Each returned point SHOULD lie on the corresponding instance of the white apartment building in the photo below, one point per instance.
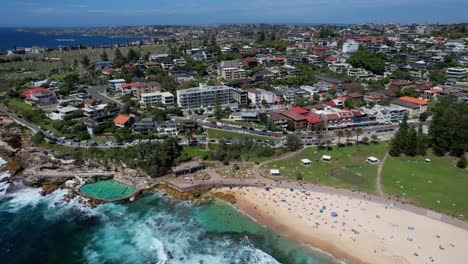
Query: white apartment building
(456, 73)
(350, 46)
(204, 96)
(116, 84)
(157, 98)
(357, 72)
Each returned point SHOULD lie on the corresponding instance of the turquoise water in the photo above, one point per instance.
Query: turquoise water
(153, 229)
(108, 190)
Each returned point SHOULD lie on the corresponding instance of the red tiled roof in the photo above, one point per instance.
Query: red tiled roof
(330, 58)
(413, 100)
(126, 85)
(248, 59)
(108, 70)
(354, 95)
(373, 97)
(299, 110)
(330, 103)
(121, 119)
(312, 119)
(30, 91)
(357, 113)
(293, 116)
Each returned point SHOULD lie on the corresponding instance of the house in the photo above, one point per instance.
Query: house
(168, 128)
(128, 88)
(40, 97)
(399, 84)
(116, 84)
(414, 106)
(230, 74)
(39, 83)
(263, 75)
(123, 120)
(240, 96)
(249, 63)
(181, 76)
(319, 50)
(300, 110)
(158, 56)
(145, 125)
(167, 64)
(313, 122)
(92, 110)
(181, 62)
(101, 65)
(60, 113)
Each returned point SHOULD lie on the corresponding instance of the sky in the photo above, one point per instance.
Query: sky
(65, 13)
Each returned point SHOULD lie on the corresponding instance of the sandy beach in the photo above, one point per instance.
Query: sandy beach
(354, 230)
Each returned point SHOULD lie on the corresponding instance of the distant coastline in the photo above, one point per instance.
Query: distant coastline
(17, 37)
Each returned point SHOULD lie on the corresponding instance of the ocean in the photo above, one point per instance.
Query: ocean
(10, 38)
(153, 229)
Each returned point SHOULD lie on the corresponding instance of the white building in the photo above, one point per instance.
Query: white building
(456, 73)
(157, 98)
(204, 96)
(116, 84)
(62, 112)
(39, 83)
(350, 46)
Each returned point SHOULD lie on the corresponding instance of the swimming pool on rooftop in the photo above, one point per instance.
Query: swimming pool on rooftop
(108, 190)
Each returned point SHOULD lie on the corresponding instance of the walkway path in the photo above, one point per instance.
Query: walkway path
(379, 176)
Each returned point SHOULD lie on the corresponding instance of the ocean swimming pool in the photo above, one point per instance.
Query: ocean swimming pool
(108, 190)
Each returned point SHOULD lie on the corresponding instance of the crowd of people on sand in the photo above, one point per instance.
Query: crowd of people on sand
(345, 216)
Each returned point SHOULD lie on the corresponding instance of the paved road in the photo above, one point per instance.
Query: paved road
(95, 92)
(35, 128)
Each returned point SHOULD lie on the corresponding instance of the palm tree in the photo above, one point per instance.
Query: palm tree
(320, 137)
(374, 138)
(339, 134)
(358, 133)
(347, 135)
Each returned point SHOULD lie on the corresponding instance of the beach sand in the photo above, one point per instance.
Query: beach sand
(363, 231)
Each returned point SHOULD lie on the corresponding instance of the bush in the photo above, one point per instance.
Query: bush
(461, 163)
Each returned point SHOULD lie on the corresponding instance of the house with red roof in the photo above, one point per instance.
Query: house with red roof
(123, 120)
(249, 62)
(298, 121)
(299, 110)
(313, 122)
(414, 106)
(27, 93)
(330, 59)
(128, 88)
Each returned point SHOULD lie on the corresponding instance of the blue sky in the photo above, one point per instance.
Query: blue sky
(143, 12)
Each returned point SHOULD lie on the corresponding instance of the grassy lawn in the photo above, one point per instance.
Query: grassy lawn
(18, 105)
(214, 133)
(348, 168)
(427, 183)
(193, 151)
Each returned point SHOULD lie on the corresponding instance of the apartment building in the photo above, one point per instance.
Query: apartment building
(230, 74)
(146, 87)
(204, 96)
(350, 46)
(456, 73)
(157, 99)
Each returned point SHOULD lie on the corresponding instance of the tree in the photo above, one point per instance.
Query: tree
(461, 163)
(421, 145)
(358, 132)
(293, 142)
(104, 56)
(38, 138)
(218, 112)
(411, 147)
(368, 60)
(347, 135)
(365, 140)
(132, 56)
(399, 142)
(119, 59)
(320, 137)
(339, 134)
(328, 143)
(85, 61)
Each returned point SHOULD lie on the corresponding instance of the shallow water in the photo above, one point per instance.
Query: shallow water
(153, 229)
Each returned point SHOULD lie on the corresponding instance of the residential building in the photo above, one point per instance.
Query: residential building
(168, 128)
(203, 96)
(456, 73)
(157, 99)
(298, 121)
(123, 120)
(249, 63)
(116, 84)
(94, 111)
(42, 98)
(230, 74)
(101, 65)
(146, 87)
(267, 96)
(128, 88)
(145, 125)
(414, 106)
(240, 96)
(61, 113)
(350, 46)
(179, 62)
